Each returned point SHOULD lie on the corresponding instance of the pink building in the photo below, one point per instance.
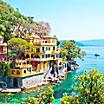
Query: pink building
(3, 49)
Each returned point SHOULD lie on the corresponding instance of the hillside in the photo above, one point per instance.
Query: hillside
(77, 43)
(97, 42)
(15, 24)
(12, 15)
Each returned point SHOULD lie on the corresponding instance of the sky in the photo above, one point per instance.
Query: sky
(69, 19)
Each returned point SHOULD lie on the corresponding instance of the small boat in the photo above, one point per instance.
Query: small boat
(97, 54)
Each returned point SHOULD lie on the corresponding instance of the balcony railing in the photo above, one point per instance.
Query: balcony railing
(41, 43)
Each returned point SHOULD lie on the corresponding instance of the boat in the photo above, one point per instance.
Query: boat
(97, 54)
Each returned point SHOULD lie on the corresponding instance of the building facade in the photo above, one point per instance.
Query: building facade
(3, 49)
(32, 71)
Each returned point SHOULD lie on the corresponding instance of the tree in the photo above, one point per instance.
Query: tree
(90, 87)
(63, 53)
(73, 51)
(44, 97)
(5, 28)
(17, 47)
(4, 68)
(58, 43)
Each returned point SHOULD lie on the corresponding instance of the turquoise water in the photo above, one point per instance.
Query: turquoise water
(90, 62)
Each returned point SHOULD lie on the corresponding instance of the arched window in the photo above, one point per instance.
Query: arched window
(60, 63)
(18, 72)
(24, 71)
(12, 72)
(27, 56)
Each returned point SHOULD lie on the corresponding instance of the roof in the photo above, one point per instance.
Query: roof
(32, 36)
(18, 60)
(49, 37)
(35, 36)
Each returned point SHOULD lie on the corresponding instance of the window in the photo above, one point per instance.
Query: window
(12, 72)
(53, 48)
(65, 65)
(42, 49)
(57, 55)
(18, 72)
(48, 48)
(60, 63)
(42, 56)
(52, 41)
(24, 71)
(19, 63)
(27, 62)
(48, 55)
(24, 62)
(53, 56)
(29, 69)
(37, 49)
(45, 41)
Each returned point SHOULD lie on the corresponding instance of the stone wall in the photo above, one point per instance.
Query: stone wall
(32, 81)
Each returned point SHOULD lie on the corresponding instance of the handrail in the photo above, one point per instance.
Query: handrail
(4, 84)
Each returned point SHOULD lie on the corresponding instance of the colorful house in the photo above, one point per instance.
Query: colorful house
(31, 71)
(23, 75)
(3, 49)
(46, 51)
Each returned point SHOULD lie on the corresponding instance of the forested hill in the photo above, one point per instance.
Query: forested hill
(10, 14)
(97, 42)
(15, 24)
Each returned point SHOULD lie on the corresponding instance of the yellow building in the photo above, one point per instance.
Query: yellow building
(23, 75)
(46, 51)
(31, 71)
(3, 49)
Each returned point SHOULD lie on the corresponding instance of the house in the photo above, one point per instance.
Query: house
(46, 51)
(32, 71)
(3, 49)
(23, 75)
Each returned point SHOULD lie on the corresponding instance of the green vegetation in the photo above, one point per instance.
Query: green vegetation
(71, 50)
(5, 68)
(9, 19)
(14, 24)
(45, 97)
(90, 87)
(18, 46)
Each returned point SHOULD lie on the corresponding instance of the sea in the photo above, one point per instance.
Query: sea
(90, 62)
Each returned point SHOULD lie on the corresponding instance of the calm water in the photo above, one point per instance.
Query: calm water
(90, 62)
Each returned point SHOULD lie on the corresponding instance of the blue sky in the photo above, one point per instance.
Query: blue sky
(69, 19)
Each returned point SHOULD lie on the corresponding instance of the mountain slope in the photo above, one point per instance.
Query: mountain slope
(97, 42)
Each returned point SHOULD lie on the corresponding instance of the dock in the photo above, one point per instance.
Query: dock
(10, 90)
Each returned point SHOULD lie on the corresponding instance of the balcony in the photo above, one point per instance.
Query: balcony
(3, 52)
(3, 44)
(17, 73)
(37, 43)
(40, 59)
(47, 44)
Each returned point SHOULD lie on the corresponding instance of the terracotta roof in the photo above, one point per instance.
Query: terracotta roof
(32, 36)
(49, 37)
